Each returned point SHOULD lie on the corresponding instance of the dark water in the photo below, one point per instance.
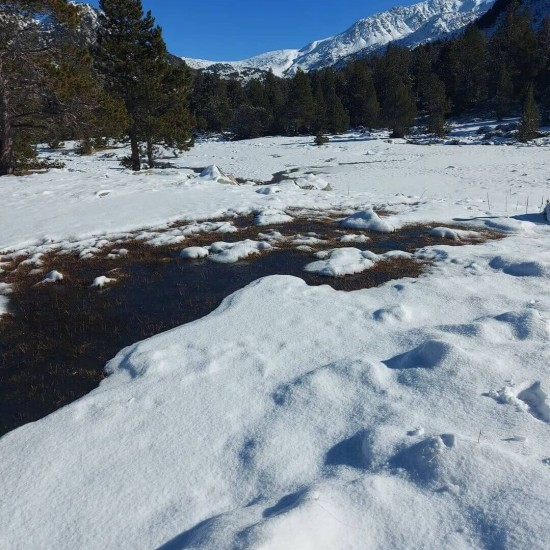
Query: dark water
(55, 345)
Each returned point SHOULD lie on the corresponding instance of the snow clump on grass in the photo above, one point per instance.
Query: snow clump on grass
(367, 219)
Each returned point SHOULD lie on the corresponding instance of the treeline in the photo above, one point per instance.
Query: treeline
(500, 75)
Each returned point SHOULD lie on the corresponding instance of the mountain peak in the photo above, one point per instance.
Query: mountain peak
(408, 25)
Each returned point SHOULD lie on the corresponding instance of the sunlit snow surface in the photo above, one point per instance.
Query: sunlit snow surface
(412, 415)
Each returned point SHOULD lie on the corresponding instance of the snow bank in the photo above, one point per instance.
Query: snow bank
(228, 253)
(367, 219)
(347, 261)
(301, 417)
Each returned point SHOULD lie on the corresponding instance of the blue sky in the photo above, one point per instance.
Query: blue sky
(228, 30)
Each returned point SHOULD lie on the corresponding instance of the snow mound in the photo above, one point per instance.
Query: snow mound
(453, 234)
(52, 277)
(428, 355)
(367, 219)
(213, 173)
(272, 216)
(5, 289)
(209, 227)
(228, 253)
(274, 423)
(311, 182)
(100, 282)
(347, 261)
(354, 239)
(3, 305)
(117, 253)
(518, 268)
(194, 253)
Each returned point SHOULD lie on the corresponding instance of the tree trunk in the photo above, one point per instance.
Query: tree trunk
(7, 142)
(6, 154)
(136, 163)
(150, 153)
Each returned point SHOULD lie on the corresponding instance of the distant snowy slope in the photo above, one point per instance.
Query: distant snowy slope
(424, 22)
(279, 62)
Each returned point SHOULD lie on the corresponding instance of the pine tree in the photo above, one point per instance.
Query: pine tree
(438, 106)
(504, 93)
(472, 70)
(543, 81)
(274, 94)
(336, 118)
(515, 43)
(530, 119)
(133, 60)
(320, 115)
(250, 122)
(46, 85)
(300, 104)
(363, 104)
(212, 106)
(399, 109)
(166, 117)
(422, 77)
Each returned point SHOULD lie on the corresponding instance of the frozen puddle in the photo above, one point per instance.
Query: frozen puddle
(54, 345)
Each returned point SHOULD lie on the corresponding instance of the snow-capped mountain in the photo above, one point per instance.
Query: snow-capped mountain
(410, 26)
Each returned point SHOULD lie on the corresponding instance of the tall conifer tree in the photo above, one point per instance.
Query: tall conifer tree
(530, 119)
(133, 59)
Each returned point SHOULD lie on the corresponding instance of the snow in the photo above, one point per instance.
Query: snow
(347, 261)
(194, 252)
(100, 282)
(310, 181)
(229, 253)
(270, 216)
(453, 234)
(411, 415)
(349, 238)
(213, 173)
(408, 25)
(52, 277)
(4, 301)
(367, 219)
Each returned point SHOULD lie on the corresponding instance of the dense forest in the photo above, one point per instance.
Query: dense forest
(54, 85)
(472, 74)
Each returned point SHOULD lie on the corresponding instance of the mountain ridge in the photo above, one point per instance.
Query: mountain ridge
(408, 25)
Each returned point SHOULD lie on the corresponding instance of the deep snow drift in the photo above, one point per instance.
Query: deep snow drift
(415, 414)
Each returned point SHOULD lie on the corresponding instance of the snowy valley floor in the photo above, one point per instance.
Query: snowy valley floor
(410, 415)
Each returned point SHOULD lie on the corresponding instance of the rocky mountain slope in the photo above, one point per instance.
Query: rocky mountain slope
(412, 25)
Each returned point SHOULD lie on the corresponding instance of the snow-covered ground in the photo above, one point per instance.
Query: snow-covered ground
(412, 415)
